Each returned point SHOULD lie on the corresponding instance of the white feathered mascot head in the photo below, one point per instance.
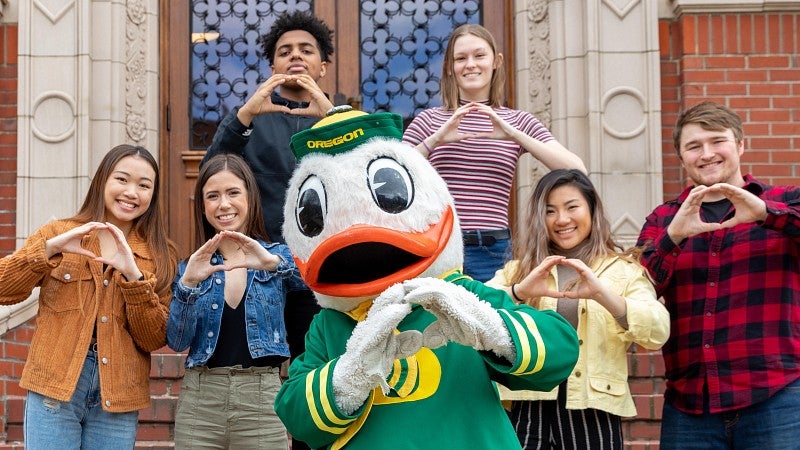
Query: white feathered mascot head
(365, 211)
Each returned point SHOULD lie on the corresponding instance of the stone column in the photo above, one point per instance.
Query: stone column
(603, 94)
(88, 81)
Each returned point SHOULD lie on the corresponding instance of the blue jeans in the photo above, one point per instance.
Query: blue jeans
(481, 261)
(773, 424)
(80, 423)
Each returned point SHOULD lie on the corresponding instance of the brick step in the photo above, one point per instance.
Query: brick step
(12, 446)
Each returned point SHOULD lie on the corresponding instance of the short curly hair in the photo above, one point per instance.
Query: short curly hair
(298, 20)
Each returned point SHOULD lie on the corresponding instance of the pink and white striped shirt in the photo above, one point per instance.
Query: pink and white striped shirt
(478, 172)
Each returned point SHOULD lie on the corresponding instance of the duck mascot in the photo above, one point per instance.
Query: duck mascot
(406, 349)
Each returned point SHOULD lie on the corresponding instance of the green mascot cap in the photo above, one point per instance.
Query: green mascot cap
(345, 128)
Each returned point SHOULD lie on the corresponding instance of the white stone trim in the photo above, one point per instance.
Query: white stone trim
(88, 80)
(15, 315)
(9, 11)
(603, 91)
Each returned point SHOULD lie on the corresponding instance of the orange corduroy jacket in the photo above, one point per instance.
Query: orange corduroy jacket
(76, 294)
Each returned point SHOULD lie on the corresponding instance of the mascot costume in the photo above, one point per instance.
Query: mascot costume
(406, 348)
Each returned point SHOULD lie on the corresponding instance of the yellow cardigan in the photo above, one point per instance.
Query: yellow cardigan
(600, 378)
(75, 294)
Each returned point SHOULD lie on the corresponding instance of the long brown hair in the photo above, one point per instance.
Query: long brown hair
(532, 244)
(448, 85)
(236, 165)
(150, 225)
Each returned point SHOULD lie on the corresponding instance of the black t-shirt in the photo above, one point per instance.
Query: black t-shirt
(715, 211)
(232, 348)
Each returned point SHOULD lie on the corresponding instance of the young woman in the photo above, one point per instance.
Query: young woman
(105, 277)
(566, 260)
(227, 309)
(474, 142)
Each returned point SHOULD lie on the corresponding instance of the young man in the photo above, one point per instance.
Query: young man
(298, 47)
(725, 255)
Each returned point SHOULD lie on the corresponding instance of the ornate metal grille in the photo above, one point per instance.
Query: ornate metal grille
(402, 48)
(226, 69)
(402, 45)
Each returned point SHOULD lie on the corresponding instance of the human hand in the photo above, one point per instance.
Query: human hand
(687, 221)
(319, 104)
(748, 207)
(501, 130)
(535, 284)
(70, 241)
(261, 101)
(198, 266)
(589, 286)
(449, 133)
(248, 254)
(115, 251)
(251, 254)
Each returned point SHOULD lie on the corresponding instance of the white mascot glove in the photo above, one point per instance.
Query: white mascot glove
(461, 317)
(371, 350)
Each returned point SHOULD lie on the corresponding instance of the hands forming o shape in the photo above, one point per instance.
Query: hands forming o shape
(448, 133)
(261, 101)
(241, 252)
(588, 286)
(114, 248)
(319, 104)
(535, 285)
(687, 221)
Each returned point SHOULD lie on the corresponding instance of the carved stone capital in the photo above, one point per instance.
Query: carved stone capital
(136, 73)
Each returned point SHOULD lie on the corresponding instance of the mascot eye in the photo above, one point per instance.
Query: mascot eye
(311, 207)
(390, 185)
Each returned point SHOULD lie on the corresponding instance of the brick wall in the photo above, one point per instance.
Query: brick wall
(156, 422)
(14, 345)
(8, 136)
(646, 380)
(748, 62)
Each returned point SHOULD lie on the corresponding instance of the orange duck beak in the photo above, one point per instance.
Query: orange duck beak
(364, 260)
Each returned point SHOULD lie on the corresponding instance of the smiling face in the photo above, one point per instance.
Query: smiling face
(474, 63)
(568, 217)
(128, 191)
(711, 157)
(225, 202)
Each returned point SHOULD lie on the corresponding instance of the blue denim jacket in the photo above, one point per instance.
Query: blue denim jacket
(195, 314)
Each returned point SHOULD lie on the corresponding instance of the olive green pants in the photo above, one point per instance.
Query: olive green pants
(224, 408)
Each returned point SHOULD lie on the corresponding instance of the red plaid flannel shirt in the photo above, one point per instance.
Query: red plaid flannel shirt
(734, 299)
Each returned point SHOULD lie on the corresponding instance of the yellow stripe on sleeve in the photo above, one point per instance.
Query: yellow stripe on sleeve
(312, 406)
(541, 351)
(522, 334)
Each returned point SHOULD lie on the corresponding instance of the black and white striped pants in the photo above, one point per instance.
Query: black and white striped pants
(548, 424)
